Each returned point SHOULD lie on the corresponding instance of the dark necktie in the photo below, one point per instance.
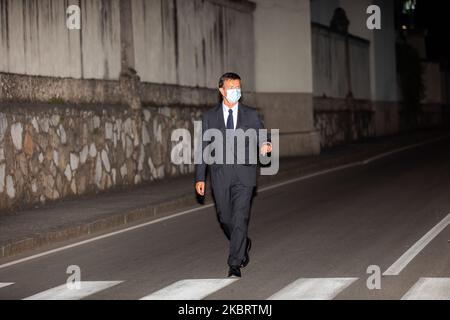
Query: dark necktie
(230, 121)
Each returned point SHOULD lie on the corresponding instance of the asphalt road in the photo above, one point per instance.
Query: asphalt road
(313, 238)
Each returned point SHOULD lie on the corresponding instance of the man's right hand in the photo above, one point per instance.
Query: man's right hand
(200, 188)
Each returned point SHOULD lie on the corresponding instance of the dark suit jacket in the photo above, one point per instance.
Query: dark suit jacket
(248, 118)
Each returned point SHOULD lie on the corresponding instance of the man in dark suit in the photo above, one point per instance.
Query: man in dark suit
(233, 183)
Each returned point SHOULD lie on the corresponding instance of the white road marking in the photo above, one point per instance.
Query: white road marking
(313, 289)
(63, 292)
(389, 153)
(3, 285)
(309, 176)
(353, 164)
(195, 289)
(429, 289)
(77, 244)
(408, 256)
(108, 235)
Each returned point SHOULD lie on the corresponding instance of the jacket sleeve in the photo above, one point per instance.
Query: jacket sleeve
(200, 168)
(261, 138)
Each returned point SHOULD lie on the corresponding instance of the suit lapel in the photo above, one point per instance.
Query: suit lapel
(240, 118)
(220, 119)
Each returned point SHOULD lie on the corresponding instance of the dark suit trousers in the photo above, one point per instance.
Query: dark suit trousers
(233, 200)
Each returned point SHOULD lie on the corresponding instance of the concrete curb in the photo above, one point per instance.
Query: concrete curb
(163, 209)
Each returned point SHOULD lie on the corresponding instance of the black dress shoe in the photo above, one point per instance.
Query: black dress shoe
(234, 272)
(247, 256)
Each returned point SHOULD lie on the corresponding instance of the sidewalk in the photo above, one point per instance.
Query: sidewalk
(67, 220)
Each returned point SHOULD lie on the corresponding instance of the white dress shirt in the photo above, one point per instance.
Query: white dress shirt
(226, 113)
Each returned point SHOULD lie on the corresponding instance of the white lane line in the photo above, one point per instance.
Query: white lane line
(389, 153)
(195, 289)
(408, 256)
(77, 244)
(63, 292)
(313, 289)
(353, 164)
(309, 176)
(3, 285)
(108, 235)
(429, 289)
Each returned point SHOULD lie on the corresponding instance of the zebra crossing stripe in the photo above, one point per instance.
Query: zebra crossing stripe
(429, 289)
(191, 289)
(63, 292)
(313, 289)
(197, 289)
(3, 285)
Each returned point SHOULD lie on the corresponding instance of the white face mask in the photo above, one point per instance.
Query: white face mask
(233, 95)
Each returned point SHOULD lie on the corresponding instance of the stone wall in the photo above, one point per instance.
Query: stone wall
(430, 116)
(50, 152)
(341, 121)
(387, 117)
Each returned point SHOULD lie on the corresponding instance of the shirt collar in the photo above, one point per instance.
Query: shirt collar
(225, 108)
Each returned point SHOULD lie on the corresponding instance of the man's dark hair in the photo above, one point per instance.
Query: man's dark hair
(228, 76)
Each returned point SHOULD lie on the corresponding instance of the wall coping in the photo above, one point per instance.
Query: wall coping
(241, 5)
(322, 27)
(340, 105)
(18, 88)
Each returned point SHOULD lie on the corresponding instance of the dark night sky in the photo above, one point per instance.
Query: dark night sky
(434, 16)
